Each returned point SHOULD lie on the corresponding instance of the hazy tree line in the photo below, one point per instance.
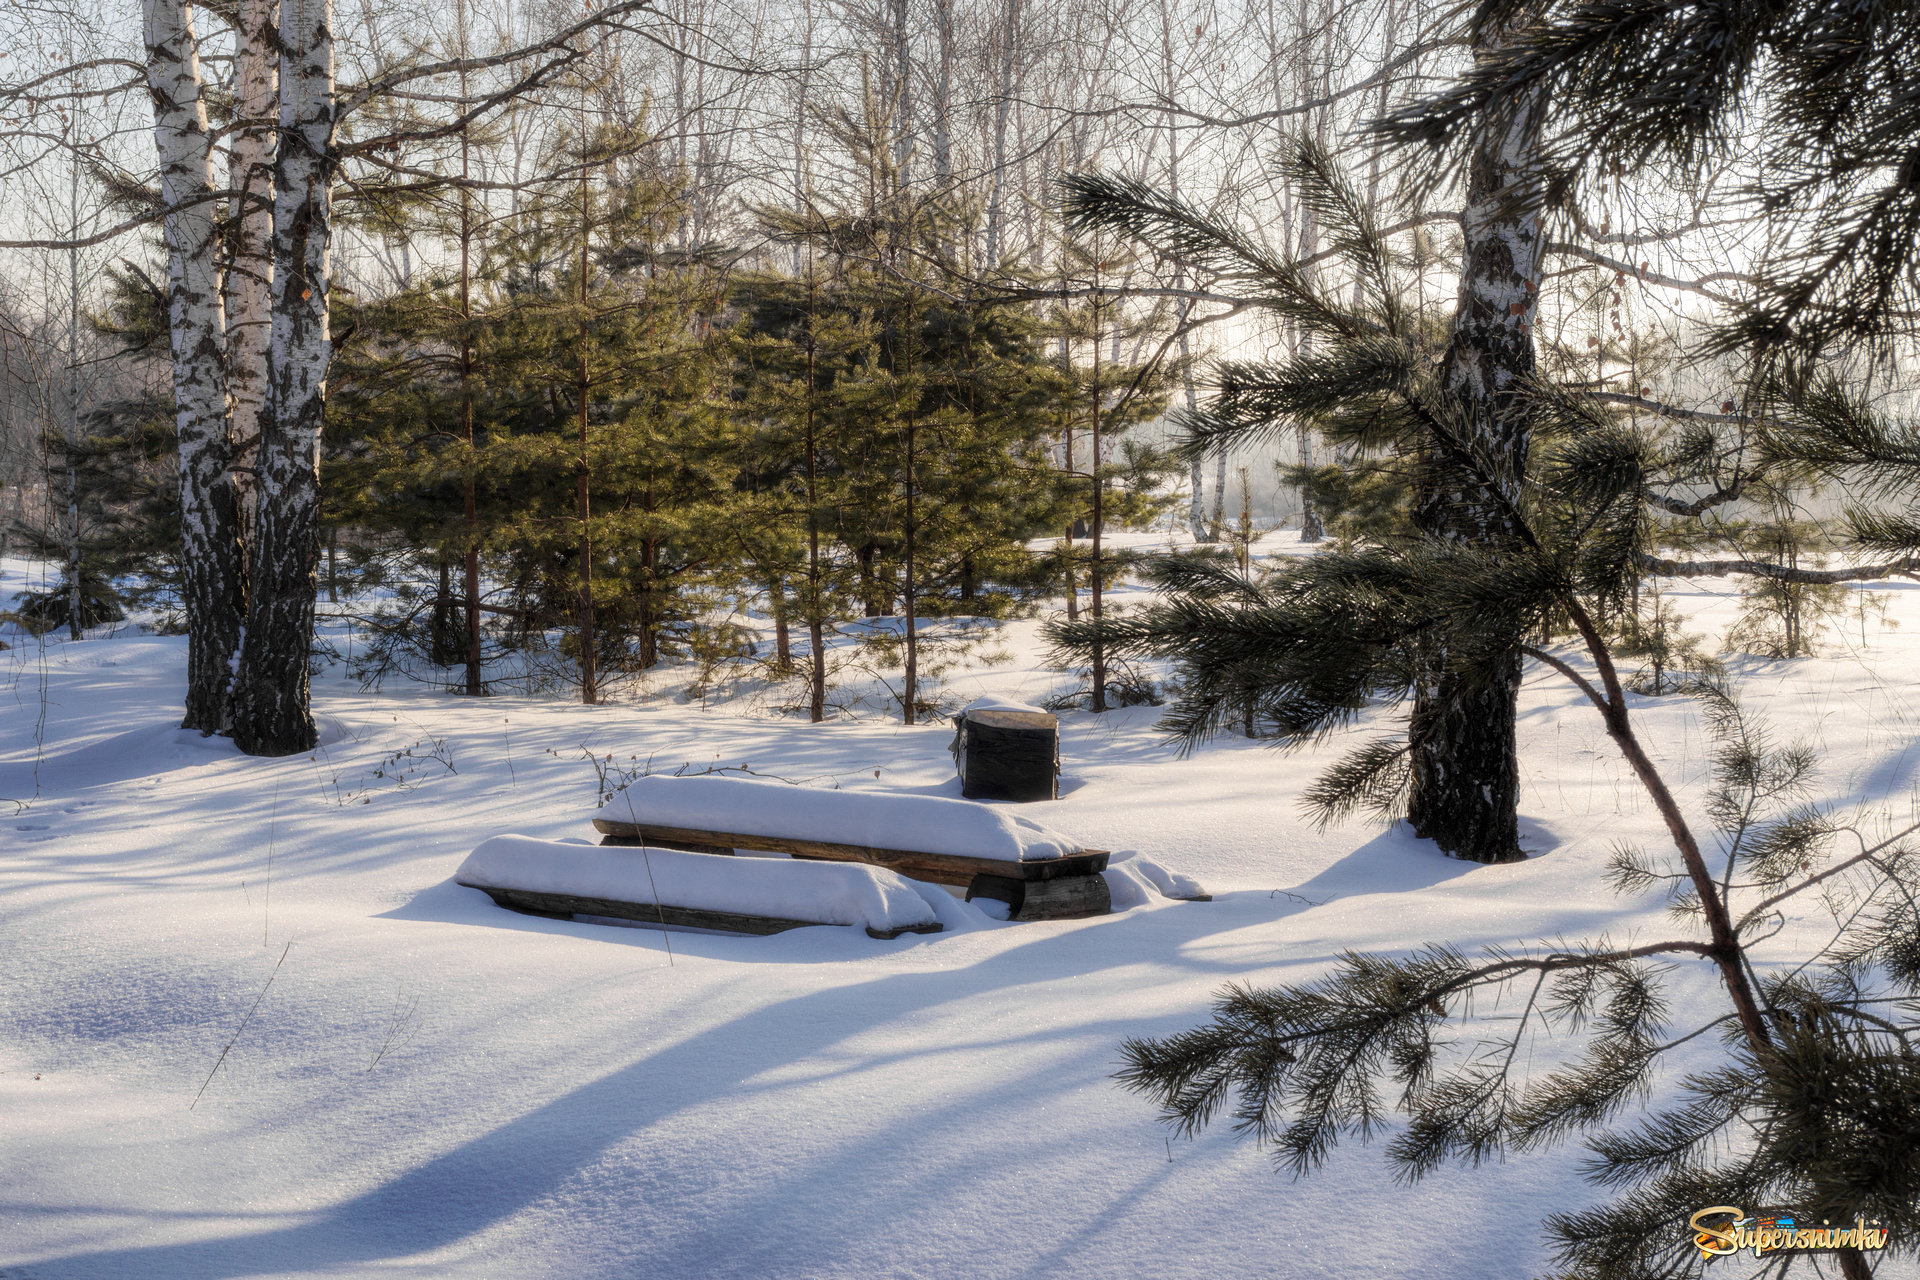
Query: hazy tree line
(586, 322)
(492, 162)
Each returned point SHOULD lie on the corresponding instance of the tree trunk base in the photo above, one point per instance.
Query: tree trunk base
(1466, 768)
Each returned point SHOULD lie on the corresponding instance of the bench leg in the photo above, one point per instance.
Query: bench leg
(1062, 898)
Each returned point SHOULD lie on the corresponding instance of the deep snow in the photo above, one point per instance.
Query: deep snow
(434, 1086)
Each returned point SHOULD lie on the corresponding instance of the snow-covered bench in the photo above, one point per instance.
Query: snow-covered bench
(746, 895)
(992, 851)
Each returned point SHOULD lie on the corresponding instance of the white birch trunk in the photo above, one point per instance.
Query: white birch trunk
(1170, 86)
(943, 93)
(249, 281)
(1464, 761)
(210, 558)
(1311, 528)
(903, 92)
(74, 602)
(275, 716)
(802, 186)
(1008, 33)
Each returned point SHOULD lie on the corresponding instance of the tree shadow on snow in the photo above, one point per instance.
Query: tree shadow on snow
(1394, 861)
(529, 1161)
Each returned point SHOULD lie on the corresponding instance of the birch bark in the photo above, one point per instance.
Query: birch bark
(1170, 86)
(943, 93)
(210, 559)
(249, 280)
(75, 629)
(1008, 32)
(901, 90)
(1465, 762)
(1311, 527)
(275, 715)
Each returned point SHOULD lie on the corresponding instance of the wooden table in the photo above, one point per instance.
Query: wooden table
(1060, 888)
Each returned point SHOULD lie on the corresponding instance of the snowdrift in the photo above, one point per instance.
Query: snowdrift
(1134, 880)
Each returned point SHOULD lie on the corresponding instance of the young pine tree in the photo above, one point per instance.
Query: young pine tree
(614, 447)
(1109, 391)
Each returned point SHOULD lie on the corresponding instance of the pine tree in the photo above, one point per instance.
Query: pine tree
(802, 361)
(404, 474)
(926, 402)
(1813, 1099)
(1108, 394)
(616, 448)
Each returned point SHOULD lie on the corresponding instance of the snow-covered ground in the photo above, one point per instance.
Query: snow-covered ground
(433, 1086)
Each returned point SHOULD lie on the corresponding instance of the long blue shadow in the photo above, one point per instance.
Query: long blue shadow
(500, 1173)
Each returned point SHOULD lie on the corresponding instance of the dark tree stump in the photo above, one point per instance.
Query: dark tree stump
(1007, 755)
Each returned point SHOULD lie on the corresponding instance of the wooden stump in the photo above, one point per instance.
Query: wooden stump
(1007, 755)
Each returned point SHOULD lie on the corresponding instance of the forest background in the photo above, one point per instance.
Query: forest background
(641, 321)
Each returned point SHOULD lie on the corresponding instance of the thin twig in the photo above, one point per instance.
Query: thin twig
(243, 1025)
(393, 1031)
(266, 901)
(646, 859)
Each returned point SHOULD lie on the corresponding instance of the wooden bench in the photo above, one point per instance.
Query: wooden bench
(1061, 888)
(565, 906)
(561, 879)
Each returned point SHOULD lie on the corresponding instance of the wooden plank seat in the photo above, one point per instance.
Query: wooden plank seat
(565, 906)
(563, 879)
(1063, 882)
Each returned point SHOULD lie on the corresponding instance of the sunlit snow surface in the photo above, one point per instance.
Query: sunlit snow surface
(433, 1086)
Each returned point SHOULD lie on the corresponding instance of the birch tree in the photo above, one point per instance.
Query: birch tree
(274, 715)
(1465, 767)
(249, 278)
(210, 560)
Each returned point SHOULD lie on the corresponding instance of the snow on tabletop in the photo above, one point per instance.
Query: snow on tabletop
(823, 892)
(876, 819)
(993, 702)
